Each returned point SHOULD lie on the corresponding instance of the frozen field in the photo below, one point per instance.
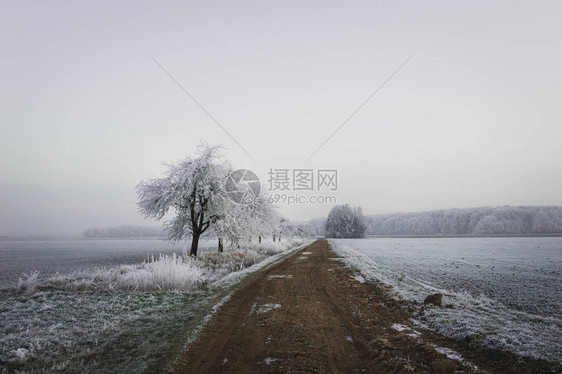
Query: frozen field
(64, 256)
(504, 292)
(109, 310)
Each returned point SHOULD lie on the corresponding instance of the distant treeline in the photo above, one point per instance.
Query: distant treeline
(124, 232)
(471, 221)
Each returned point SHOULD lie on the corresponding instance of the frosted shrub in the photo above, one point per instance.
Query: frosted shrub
(165, 273)
(236, 259)
(273, 248)
(20, 354)
(230, 260)
(28, 285)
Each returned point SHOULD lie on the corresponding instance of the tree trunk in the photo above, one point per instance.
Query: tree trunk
(274, 237)
(221, 247)
(194, 244)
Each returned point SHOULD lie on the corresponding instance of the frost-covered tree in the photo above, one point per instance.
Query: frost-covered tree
(194, 188)
(288, 229)
(319, 226)
(242, 222)
(345, 222)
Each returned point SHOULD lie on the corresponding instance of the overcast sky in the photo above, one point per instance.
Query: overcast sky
(473, 118)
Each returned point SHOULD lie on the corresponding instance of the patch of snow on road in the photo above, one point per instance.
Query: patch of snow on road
(400, 327)
(253, 308)
(453, 355)
(268, 361)
(267, 307)
(359, 278)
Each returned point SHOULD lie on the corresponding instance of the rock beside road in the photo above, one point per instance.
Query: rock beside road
(435, 299)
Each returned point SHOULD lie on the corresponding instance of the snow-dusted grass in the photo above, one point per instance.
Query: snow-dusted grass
(491, 287)
(55, 331)
(237, 259)
(164, 273)
(129, 318)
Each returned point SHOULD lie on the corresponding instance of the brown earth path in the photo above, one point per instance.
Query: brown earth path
(307, 314)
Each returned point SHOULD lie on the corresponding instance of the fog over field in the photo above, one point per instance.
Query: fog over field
(467, 113)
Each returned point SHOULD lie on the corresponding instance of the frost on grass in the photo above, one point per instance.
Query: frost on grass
(20, 354)
(501, 307)
(219, 265)
(27, 286)
(165, 273)
(95, 331)
(162, 273)
(133, 318)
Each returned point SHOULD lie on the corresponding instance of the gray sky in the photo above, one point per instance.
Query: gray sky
(473, 119)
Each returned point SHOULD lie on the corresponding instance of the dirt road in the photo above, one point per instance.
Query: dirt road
(308, 314)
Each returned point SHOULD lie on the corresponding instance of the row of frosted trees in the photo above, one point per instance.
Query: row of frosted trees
(192, 195)
(470, 221)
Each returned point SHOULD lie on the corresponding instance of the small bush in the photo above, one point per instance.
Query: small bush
(28, 285)
(165, 273)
